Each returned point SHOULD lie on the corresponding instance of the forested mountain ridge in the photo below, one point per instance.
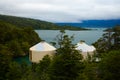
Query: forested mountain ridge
(34, 23)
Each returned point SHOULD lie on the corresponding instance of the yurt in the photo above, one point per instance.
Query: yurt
(38, 51)
(85, 49)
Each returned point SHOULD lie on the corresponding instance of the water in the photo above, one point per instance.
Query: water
(90, 36)
(24, 59)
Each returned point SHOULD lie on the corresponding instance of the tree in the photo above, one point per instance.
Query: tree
(91, 69)
(43, 67)
(18, 71)
(109, 41)
(5, 59)
(59, 38)
(66, 64)
(18, 40)
(116, 37)
(109, 68)
(14, 71)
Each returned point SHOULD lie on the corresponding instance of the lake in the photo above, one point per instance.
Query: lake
(89, 36)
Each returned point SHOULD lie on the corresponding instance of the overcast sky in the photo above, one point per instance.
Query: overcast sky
(62, 10)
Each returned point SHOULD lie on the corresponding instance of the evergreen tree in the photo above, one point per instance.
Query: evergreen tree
(116, 37)
(43, 67)
(109, 41)
(109, 68)
(67, 64)
(5, 59)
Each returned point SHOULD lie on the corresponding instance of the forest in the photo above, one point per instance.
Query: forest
(35, 24)
(16, 41)
(67, 64)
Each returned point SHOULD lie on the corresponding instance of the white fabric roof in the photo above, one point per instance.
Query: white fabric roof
(84, 47)
(42, 46)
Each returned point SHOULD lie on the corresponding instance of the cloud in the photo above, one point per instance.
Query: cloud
(62, 10)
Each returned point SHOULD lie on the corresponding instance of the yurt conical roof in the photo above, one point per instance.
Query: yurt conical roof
(82, 46)
(42, 46)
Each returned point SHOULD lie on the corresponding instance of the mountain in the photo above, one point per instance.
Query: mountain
(95, 23)
(34, 23)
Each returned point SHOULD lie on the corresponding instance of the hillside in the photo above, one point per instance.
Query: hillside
(34, 23)
(16, 41)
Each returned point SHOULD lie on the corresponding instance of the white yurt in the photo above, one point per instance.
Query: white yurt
(38, 51)
(85, 49)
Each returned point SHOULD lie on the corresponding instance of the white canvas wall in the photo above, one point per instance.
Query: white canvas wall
(36, 56)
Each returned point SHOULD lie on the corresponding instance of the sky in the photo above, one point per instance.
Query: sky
(62, 10)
